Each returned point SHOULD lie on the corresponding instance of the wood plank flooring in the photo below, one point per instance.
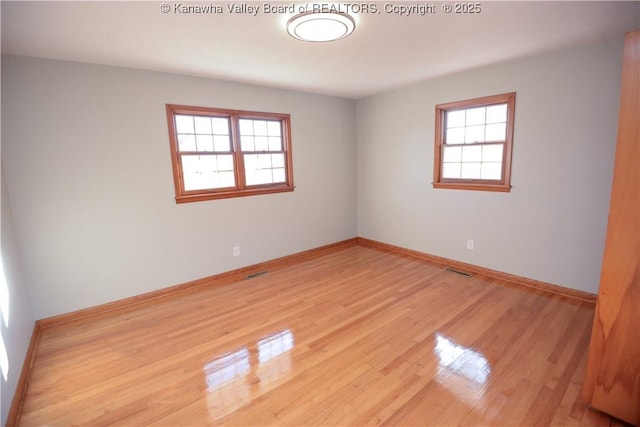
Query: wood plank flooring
(355, 337)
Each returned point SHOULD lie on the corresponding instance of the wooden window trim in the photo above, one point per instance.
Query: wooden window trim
(241, 189)
(503, 185)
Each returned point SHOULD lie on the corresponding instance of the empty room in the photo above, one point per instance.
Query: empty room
(320, 213)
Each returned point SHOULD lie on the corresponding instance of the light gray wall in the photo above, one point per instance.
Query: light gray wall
(551, 226)
(17, 334)
(88, 170)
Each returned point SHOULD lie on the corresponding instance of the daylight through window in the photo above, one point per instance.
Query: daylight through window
(220, 153)
(473, 143)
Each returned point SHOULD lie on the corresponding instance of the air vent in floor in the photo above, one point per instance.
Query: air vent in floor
(462, 273)
(259, 273)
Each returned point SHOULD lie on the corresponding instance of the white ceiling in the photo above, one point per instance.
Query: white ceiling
(386, 51)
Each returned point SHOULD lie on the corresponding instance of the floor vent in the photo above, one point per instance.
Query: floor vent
(462, 273)
(259, 273)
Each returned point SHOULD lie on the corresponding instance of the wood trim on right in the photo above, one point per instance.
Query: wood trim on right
(512, 278)
(612, 381)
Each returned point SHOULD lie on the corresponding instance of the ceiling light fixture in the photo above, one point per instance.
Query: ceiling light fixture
(321, 26)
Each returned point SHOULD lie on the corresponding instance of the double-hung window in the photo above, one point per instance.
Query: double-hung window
(218, 153)
(473, 143)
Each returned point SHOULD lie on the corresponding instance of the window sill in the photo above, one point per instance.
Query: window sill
(473, 186)
(199, 197)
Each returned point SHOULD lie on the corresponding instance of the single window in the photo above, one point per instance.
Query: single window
(220, 153)
(473, 143)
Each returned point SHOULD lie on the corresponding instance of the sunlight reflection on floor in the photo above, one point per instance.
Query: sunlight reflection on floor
(232, 378)
(461, 370)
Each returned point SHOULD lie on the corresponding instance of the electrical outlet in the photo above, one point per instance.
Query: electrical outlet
(236, 251)
(471, 244)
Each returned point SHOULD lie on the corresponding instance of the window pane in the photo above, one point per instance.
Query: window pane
(205, 142)
(470, 171)
(259, 172)
(250, 162)
(222, 143)
(475, 116)
(186, 143)
(474, 134)
(274, 128)
(246, 127)
(277, 160)
(264, 161)
(259, 176)
(260, 127)
(199, 181)
(279, 175)
(497, 132)
(226, 179)
(451, 170)
(491, 171)
(472, 153)
(195, 163)
(262, 143)
(275, 143)
(497, 113)
(455, 118)
(184, 124)
(225, 162)
(455, 136)
(452, 154)
(190, 164)
(265, 176)
(207, 172)
(264, 168)
(220, 125)
(203, 124)
(492, 153)
(247, 143)
(208, 163)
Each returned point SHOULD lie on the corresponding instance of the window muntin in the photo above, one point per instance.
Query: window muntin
(227, 153)
(473, 143)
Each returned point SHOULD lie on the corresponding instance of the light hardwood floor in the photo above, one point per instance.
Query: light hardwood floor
(355, 337)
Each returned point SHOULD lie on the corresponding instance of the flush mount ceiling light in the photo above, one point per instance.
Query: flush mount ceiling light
(320, 26)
